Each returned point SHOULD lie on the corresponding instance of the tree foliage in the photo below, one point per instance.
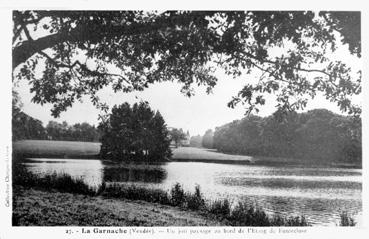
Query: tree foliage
(196, 141)
(26, 127)
(176, 136)
(77, 132)
(134, 133)
(23, 125)
(316, 135)
(80, 52)
(207, 139)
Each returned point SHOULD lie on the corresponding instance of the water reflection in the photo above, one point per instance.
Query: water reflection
(134, 173)
(282, 182)
(318, 193)
(318, 211)
(91, 171)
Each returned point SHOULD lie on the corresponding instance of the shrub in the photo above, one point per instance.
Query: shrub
(278, 220)
(195, 201)
(101, 189)
(22, 177)
(132, 192)
(65, 183)
(221, 208)
(177, 195)
(244, 215)
(346, 220)
(60, 182)
(296, 222)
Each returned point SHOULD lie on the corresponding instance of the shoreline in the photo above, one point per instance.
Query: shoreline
(90, 150)
(34, 196)
(261, 162)
(34, 207)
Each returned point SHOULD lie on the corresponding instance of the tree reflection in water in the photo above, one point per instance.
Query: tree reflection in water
(134, 173)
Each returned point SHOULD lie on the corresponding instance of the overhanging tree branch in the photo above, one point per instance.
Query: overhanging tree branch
(83, 67)
(82, 34)
(152, 47)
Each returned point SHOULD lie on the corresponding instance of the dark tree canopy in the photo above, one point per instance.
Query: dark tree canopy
(26, 127)
(207, 139)
(80, 52)
(23, 125)
(77, 132)
(317, 136)
(135, 133)
(176, 136)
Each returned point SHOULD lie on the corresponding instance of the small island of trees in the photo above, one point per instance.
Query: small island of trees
(135, 133)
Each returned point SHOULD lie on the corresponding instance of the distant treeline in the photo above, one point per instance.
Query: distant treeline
(196, 141)
(77, 132)
(205, 141)
(27, 127)
(317, 134)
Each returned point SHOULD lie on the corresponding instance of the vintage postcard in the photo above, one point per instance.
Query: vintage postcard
(165, 121)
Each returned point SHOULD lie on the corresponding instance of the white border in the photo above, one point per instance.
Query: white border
(6, 6)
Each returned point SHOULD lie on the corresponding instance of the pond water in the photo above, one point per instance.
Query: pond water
(318, 193)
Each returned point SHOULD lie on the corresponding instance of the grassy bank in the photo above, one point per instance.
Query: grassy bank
(191, 154)
(50, 208)
(219, 211)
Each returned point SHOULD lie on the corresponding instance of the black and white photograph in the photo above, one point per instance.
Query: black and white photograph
(231, 119)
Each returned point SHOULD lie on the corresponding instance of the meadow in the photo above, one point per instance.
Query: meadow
(76, 149)
(90, 150)
(35, 207)
(57, 149)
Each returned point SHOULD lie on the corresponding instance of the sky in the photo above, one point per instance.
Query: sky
(196, 114)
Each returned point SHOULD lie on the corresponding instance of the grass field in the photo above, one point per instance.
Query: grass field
(190, 154)
(74, 149)
(59, 149)
(90, 150)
